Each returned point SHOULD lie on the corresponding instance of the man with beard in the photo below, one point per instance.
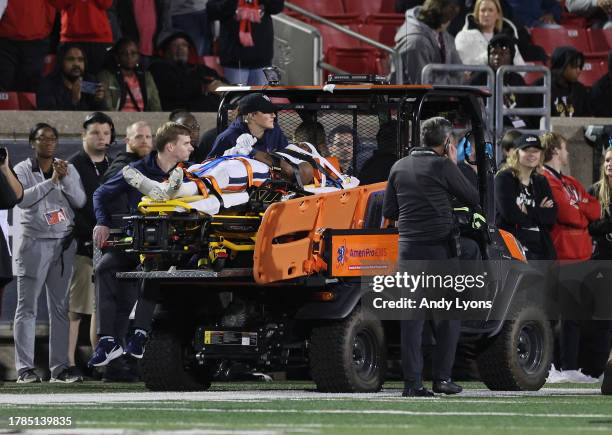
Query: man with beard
(68, 87)
(183, 85)
(138, 144)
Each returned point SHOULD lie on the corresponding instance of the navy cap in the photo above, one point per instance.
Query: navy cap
(528, 141)
(256, 103)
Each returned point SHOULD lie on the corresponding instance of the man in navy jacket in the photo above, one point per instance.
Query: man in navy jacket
(115, 299)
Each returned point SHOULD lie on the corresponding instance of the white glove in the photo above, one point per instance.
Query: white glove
(244, 145)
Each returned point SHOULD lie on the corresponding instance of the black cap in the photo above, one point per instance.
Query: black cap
(503, 40)
(528, 141)
(256, 103)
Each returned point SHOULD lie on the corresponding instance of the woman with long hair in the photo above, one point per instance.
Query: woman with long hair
(524, 201)
(481, 25)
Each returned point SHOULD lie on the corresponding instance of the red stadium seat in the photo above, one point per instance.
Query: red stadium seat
(27, 100)
(600, 40)
(9, 101)
(365, 8)
(213, 62)
(354, 60)
(382, 18)
(331, 9)
(334, 38)
(382, 33)
(592, 71)
(549, 39)
(530, 78)
(48, 64)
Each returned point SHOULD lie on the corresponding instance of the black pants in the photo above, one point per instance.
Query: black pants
(114, 298)
(21, 64)
(149, 296)
(446, 331)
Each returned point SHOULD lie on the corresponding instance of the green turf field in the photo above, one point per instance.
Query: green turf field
(283, 407)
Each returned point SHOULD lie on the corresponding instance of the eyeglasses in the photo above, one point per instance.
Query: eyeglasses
(47, 139)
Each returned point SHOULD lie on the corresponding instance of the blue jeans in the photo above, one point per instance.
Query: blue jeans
(245, 76)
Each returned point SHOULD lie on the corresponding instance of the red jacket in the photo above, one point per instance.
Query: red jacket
(576, 208)
(84, 20)
(27, 20)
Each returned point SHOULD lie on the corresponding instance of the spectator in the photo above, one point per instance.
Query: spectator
(91, 163)
(423, 39)
(202, 145)
(138, 144)
(24, 29)
(568, 96)
(601, 93)
(377, 167)
(570, 236)
(342, 141)
(143, 21)
(246, 39)
(255, 128)
(536, 13)
(480, 27)
(128, 87)
(115, 299)
(190, 16)
(599, 11)
(86, 24)
(525, 205)
(52, 189)
(180, 84)
(502, 50)
(69, 87)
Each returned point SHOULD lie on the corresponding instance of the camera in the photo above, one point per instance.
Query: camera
(3, 154)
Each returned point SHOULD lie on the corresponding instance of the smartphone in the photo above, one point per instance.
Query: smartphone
(89, 87)
(3, 154)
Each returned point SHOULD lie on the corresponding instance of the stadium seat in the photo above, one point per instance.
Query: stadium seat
(549, 39)
(27, 100)
(600, 41)
(334, 38)
(213, 62)
(48, 64)
(354, 60)
(365, 8)
(333, 10)
(593, 70)
(382, 33)
(9, 101)
(383, 18)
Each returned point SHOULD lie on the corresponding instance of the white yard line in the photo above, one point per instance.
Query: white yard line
(237, 396)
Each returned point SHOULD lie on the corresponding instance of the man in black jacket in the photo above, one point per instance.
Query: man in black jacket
(91, 163)
(181, 84)
(418, 198)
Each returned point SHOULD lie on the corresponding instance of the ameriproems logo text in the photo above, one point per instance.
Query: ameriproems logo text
(367, 252)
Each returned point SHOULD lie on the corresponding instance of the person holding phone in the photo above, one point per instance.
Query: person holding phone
(69, 87)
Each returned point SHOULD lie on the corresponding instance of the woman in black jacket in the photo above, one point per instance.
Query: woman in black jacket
(524, 201)
(601, 230)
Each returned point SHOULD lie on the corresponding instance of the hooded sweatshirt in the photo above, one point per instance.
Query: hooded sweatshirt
(567, 99)
(418, 45)
(272, 140)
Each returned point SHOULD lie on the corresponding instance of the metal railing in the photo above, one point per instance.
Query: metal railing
(427, 77)
(395, 56)
(501, 90)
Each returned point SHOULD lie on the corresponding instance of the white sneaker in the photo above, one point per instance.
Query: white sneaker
(554, 376)
(175, 180)
(132, 176)
(577, 377)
